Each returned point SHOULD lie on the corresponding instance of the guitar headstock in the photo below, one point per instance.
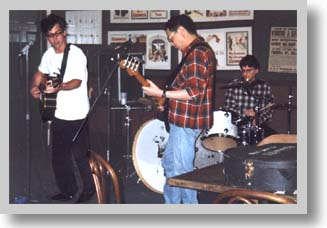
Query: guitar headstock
(131, 64)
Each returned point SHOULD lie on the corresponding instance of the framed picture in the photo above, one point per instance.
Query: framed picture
(218, 15)
(228, 52)
(157, 51)
(283, 50)
(153, 43)
(237, 46)
(116, 37)
(139, 14)
(158, 14)
(84, 27)
(119, 15)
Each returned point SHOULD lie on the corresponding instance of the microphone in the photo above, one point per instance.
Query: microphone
(127, 44)
(25, 48)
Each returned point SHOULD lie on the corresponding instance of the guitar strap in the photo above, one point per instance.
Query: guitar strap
(173, 75)
(164, 115)
(64, 61)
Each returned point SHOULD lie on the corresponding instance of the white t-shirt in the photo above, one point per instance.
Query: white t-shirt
(71, 104)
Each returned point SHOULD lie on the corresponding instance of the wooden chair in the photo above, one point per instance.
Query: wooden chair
(101, 170)
(278, 138)
(244, 196)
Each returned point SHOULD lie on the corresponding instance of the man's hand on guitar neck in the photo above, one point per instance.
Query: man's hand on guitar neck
(153, 90)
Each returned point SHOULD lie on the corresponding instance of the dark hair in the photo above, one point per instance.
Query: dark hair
(50, 21)
(181, 20)
(249, 60)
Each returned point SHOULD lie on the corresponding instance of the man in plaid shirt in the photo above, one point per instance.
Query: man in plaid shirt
(250, 96)
(190, 103)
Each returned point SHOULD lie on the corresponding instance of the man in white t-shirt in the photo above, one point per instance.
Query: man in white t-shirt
(72, 106)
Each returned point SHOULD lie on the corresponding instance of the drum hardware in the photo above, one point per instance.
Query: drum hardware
(128, 156)
(249, 134)
(289, 109)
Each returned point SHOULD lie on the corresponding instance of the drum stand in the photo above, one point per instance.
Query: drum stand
(128, 155)
(289, 109)
(129, 171)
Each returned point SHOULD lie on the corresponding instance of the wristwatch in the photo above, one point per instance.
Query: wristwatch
(163, 95)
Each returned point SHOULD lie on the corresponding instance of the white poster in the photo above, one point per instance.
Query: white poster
(157, 51)
(229, 45)
(283, 50)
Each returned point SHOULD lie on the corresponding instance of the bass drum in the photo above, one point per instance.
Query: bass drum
(205, 157)
(148, 146)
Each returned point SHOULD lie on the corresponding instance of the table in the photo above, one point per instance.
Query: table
(210, 179)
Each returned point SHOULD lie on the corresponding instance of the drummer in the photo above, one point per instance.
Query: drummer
(249, 96)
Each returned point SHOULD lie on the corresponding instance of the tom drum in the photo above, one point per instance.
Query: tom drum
(223, 134)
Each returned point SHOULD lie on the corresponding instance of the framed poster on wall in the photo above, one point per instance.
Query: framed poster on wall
(229, 45)
(139, 16)
(218, 15)
(237, 46)
(154, 45)
(157, 51)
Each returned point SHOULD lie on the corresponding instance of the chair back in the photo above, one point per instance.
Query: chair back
(101, 171)
(244, 196)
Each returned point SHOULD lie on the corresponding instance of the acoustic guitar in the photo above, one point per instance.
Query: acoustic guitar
(48, 101)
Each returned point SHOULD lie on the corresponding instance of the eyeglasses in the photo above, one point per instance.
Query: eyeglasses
(170, 37)
(53, 35)
(247, 70)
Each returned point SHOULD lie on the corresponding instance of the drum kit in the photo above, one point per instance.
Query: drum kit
(228, 131)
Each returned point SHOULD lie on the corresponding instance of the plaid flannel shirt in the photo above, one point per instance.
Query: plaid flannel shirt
(258, 95)
(196, 77)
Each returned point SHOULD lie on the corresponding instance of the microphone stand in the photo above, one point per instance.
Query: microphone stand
(104, 88)
(25, 52)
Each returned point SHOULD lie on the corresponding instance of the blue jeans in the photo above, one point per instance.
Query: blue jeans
(177, 159)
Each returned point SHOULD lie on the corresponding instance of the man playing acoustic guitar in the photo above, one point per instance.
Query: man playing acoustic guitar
(72, 106)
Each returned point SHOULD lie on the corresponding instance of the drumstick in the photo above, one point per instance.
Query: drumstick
(266, 107)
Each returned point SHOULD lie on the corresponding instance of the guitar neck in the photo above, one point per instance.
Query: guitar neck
(145, 83)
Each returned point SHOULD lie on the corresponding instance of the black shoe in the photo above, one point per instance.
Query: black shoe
(85, 196)
(61, 197)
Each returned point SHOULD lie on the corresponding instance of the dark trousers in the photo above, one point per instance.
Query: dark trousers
(63, 153)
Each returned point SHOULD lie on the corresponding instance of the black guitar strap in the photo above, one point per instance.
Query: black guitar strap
(64, 61)
(164, 115)
(173, 75)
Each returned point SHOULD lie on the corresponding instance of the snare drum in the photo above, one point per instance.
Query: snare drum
(223, 134)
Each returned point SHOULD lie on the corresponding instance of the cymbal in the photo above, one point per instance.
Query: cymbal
(145, 101)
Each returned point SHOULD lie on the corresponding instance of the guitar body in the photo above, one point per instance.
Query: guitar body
(48, 105)
(48, 101)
